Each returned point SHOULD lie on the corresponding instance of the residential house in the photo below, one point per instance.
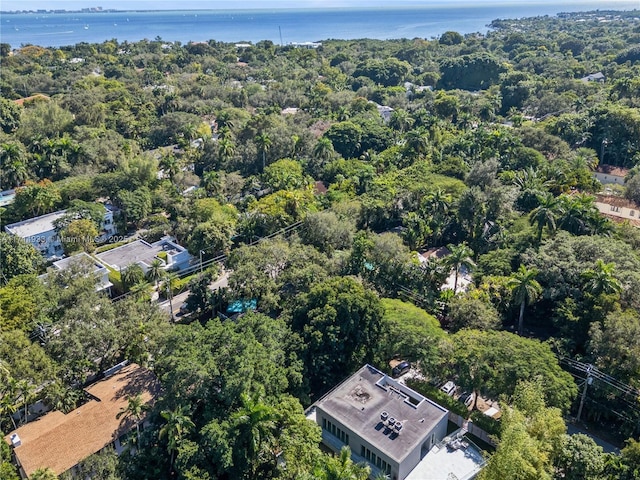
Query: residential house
(385, 111)
(594, 77)
(171, 255)
(41, 233)
(61, 441)
(611, 174)
(96, 268)
(387, 425)
(618, 209)
(433, 254)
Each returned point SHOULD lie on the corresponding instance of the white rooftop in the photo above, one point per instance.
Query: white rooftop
(460, 459)
(35, 226)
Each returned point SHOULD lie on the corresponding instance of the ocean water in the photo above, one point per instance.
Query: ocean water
(302, 25)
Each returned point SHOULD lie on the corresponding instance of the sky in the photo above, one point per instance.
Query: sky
(8, 5)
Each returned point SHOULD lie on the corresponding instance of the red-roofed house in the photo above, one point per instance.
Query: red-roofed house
(611, 174)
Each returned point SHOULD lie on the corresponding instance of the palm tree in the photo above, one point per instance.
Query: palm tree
(323, 150)
(525, 289)
(438, 203)
(296, 146)
(584, 158)
(177, 425)
(255, 424)
(8, 407)
(12, 164)
(170, 165)
(27, 391)
(61, 398)
(343, 468)
(417, 141)
(223, 120)
(600, 279)
(263, 142)
(226, 149)
(169, 278)
(545, 214)
(155, 271)
(135, 409)
(600, 225)
(401, 120)
(141, 291)
(213, 182)
(131, 276)
(460, 257)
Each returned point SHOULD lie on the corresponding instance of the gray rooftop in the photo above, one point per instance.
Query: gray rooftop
(76, 259)
(35, 226)
(358, 402)
(137, 251)
(125, 255)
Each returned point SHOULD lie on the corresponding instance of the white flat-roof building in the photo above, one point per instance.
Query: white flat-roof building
(95, 267)
(41, 233)
(386, 424)
(172, 255)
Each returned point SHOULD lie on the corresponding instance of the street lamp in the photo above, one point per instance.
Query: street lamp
(201, 253)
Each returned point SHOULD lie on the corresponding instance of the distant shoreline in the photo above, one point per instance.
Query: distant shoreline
(244, 10)
(281, 25)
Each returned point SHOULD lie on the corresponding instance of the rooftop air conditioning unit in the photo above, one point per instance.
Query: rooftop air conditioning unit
(15, 440)
(384, 416)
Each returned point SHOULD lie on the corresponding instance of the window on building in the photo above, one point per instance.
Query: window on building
(347, 440)
(362, 451)
(379, 462)
(324, 423)
(373, 458)
(368, 455)
(632, 213)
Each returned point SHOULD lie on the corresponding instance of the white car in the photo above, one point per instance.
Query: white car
(449, 388)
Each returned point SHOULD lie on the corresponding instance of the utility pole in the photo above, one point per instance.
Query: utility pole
(588, 381)
(201, 252)
(170, 295)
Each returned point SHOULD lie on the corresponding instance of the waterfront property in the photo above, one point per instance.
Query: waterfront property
(171, 255)
(61, 441)
(386, 424)
(41, 232)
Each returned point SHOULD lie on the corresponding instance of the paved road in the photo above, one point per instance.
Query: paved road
(572, 429)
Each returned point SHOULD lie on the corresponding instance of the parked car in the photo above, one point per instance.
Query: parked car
(184, 309)
(401, 369)
(467, 398)
(449, 388)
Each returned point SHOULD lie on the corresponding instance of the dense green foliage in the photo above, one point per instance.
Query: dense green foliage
(278, 157)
